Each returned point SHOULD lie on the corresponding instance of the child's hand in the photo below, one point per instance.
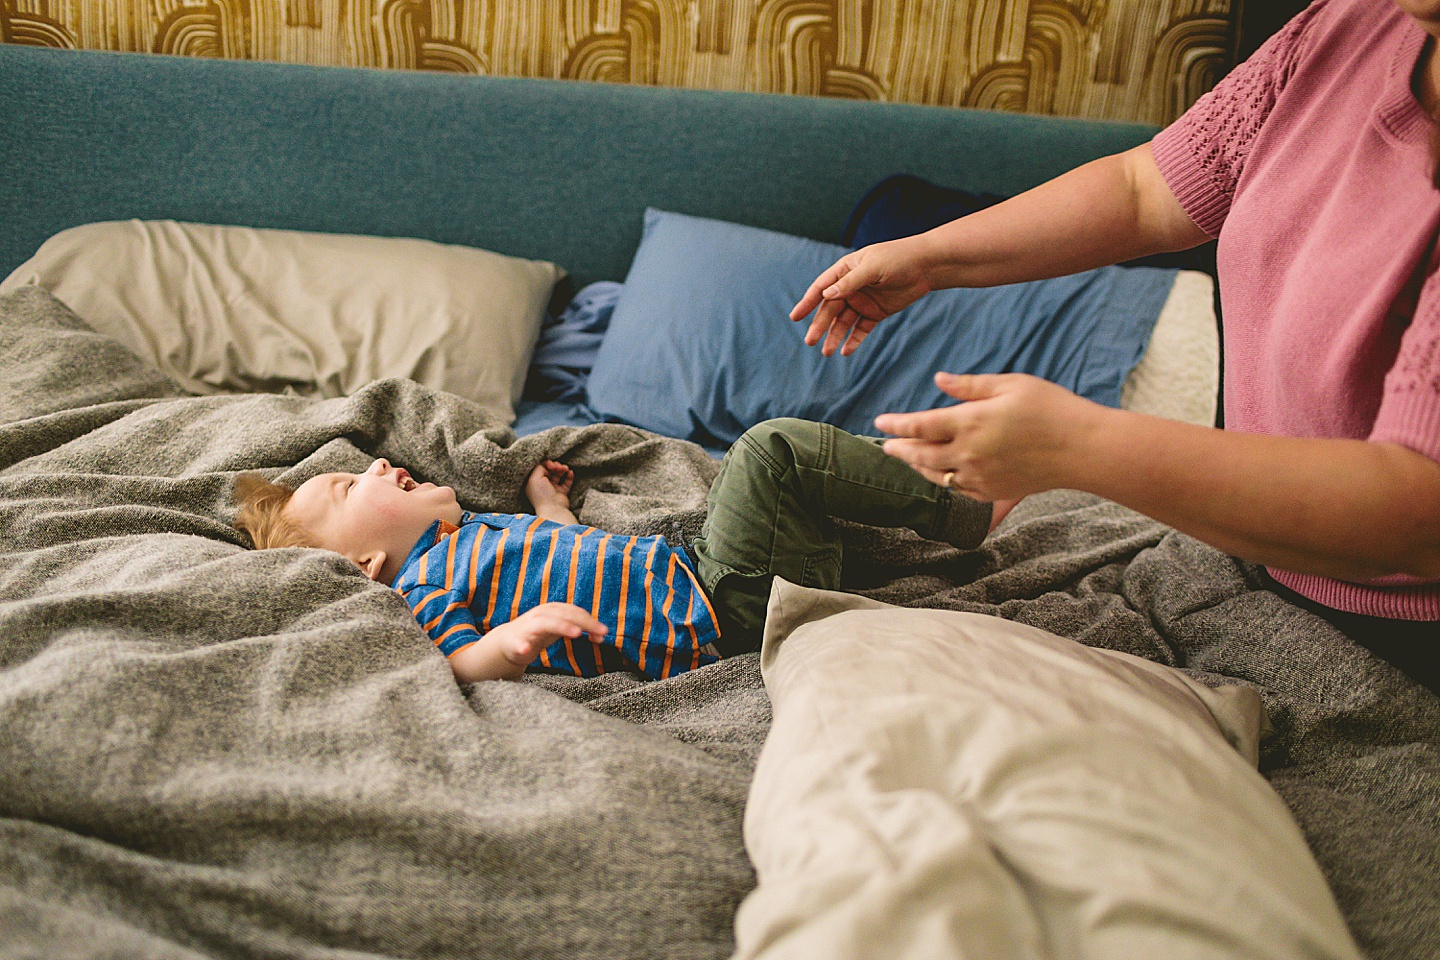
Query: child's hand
(549, 484)
(504, 652)
(548, 489)
(521, 640)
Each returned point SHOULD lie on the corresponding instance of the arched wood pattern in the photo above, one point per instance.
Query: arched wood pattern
(1143, 60)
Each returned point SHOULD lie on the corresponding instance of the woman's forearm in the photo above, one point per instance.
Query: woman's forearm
(1112, 209)
(1347, 509)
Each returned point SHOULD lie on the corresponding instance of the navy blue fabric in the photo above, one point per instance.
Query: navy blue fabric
(700, 345)
(532, 416)
(568, 343)
(904, 205)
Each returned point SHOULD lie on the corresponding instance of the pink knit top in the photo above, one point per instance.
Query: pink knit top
(1311, 162)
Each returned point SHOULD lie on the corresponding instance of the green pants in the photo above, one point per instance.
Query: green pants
(770, 509)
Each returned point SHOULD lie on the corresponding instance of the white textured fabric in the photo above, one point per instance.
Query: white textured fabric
(943, 784)
(240, 309)
(1178, 378)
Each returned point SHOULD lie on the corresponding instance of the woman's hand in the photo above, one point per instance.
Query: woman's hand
(860, 290)
(1016, 435)
(548, 489)
(1347, 509)
(1102, 212)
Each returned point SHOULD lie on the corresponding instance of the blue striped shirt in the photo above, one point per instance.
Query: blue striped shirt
(461, 582)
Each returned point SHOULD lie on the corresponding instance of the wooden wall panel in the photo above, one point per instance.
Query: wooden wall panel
(1143, 60)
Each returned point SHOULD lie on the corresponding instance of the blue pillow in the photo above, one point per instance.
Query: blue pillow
(701, 346)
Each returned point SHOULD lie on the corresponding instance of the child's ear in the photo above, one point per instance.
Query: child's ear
(372, 564)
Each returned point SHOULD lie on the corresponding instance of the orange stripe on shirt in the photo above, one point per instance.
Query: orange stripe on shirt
(421, 605)
(570, 656)
(645, 587)
(575, 564)
(624, 595)
(665, 612)
(695, 585)
(595, 599)
(570, 594)
(545, 598)
(450, 560)
(524, 563)
(495, 578)
(454, 606)
(459, 626)
(690, 625)
(475, 562)
(545, 571)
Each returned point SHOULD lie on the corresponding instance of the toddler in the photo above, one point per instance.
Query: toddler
(498, 593)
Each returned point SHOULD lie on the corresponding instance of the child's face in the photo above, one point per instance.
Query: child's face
(374, 518)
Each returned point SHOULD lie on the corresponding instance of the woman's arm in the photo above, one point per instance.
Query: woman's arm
(1112, 209)
(1347, 509)
(1109, 210)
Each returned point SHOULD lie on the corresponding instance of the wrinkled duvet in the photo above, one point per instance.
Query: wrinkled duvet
(207, 751)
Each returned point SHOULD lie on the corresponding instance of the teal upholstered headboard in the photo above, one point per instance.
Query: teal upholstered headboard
(547, 169)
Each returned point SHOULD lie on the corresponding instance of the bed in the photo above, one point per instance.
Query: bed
(210, 751)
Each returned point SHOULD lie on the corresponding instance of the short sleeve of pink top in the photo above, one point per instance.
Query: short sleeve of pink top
(1312, 163)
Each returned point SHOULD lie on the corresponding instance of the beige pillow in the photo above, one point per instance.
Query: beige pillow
(942, 784)
(241, 309)
(1178, 378)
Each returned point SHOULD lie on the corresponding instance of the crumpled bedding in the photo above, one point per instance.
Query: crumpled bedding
(207, 751)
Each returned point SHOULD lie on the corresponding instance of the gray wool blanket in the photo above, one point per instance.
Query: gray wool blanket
(208, 751)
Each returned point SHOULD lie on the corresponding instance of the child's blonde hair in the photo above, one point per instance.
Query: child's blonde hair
(261, 514)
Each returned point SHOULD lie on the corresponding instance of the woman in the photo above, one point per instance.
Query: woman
(1314, 164)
